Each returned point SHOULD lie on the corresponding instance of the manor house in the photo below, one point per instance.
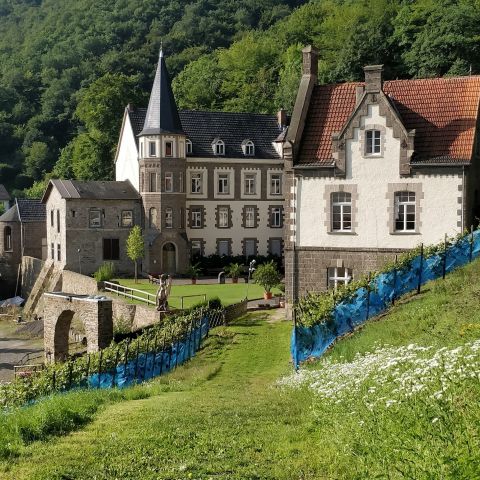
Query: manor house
(374, 168)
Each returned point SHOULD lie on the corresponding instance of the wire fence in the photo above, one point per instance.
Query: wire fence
(379, 293)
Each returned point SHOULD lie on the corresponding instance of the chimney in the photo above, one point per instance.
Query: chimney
(373, 78)
(282, 118)
(310, 61)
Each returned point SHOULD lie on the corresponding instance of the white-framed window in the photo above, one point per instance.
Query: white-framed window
(249, 217)
(276, 184)
(223, 215)
(275, 246)
(250, 181)
(168, 181)
(169, 149)
(219, 147)
(223, 247)
(405, 211)
(127, 218)
(196, 248)
(152, 182)
(95, 218)
(196, 218)
(248, 148)
(152, 149)
(341, 212)
(276, 217)
(338, 276)
(168, 217)
(196, 183)
(223, 186)
(373, 142)
(189, 145)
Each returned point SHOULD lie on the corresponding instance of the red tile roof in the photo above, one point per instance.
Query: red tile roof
(443, 111)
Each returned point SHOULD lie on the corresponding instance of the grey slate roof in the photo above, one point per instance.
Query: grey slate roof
(233, 128)
(98, 190)
(3, 193)
(162, 114)
(31, 210)
(11, 215)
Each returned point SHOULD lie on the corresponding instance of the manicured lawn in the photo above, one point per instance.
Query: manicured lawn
(228, 293)
(224, 416)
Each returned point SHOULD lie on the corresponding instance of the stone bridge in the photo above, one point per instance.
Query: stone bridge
(59, 308)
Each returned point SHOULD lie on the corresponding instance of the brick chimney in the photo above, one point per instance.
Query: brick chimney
(282, 118)
(310, 61)
(373, 78)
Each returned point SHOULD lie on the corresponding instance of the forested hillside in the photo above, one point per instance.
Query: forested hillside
(69, 68)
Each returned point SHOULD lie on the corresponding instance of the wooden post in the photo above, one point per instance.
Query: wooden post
(54, 380)
(115, 367)
(368, 295)
(126, 358)
(70, 371)
(155, 345)
(444, 265)
(420, 270)
(87, 370)
(471, 243)
(146, 358)
(163, 350)
(136, 359)
(100, 368)
(394, 280)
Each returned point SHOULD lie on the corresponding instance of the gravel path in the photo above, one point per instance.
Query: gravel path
(13, 348)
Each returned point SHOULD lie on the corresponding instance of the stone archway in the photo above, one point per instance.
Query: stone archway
(169, 258)
(59, 309)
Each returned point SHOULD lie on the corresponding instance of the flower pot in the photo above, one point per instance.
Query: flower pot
(267, 295)
(234, 280)
(194, 281)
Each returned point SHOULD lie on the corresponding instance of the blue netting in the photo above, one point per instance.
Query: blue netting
(152, 364)
(313, 341)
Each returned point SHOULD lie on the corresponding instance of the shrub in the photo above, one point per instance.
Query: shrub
(214, 303)
(194, 270)
(234, 270)
(267, 276)
(105, 272)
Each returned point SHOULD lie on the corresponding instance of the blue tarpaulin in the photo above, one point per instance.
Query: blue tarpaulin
(313, 341)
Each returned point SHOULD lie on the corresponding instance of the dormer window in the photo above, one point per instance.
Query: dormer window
(189, 146)
(373, 142)
(218, 147)
(248, 148)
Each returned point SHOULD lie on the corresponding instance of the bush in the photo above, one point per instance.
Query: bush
(212, 262)
(105, 272)
(234, 270)
(214, 303)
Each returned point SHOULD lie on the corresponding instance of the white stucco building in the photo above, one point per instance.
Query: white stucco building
(373, 169)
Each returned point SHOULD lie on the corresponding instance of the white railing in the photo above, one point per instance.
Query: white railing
(148, 298)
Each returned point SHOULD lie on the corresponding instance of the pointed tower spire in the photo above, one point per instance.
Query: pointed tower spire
(162, 114)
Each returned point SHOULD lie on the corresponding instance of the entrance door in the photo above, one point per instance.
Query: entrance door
(169, 263)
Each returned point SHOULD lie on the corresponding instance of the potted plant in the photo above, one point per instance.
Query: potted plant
(193, 271)
(234, 270)
(268, 276)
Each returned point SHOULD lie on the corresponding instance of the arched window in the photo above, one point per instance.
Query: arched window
(7, 239)
(341, 212)
(218, 147)
(189, 146)
(248, 148)
(152, 217)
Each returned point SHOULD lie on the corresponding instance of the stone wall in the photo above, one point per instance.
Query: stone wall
(79, 284)
(236, 310)
(31, 268)
(310, 274)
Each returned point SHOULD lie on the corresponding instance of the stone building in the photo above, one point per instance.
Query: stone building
(374, 168)
(22, 232)
(210, 182)
(88, 223)
(4, 198)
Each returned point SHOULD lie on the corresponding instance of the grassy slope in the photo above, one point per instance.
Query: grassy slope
(219, 417)
(228, 293)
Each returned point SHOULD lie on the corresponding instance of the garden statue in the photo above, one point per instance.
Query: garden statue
(163, 292)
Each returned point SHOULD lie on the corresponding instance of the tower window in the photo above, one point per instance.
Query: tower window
(168, 218)
(153, 182)
(152, 149)
(189, 146)
(169, 182)
(218, 147)
(248, 148)
(7, 239)
(168, 149)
